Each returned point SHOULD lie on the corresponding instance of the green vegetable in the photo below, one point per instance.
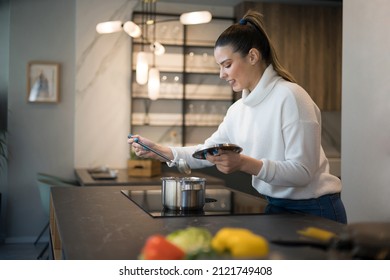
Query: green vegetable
(192, 240)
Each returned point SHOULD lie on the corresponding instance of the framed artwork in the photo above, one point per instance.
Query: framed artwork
(43, 82)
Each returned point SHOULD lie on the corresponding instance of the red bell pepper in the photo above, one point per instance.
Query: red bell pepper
(157, 247)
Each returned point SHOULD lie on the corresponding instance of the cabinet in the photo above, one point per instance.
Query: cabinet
(193, 99)
(308, 40)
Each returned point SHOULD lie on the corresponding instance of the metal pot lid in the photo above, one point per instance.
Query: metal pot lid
(214, 150)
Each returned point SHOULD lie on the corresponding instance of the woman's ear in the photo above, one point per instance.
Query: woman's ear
(254, 56)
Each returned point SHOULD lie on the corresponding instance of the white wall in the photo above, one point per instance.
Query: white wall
(366, 110)
(41, 136)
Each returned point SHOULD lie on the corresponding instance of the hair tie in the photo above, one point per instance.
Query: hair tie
(243, 21)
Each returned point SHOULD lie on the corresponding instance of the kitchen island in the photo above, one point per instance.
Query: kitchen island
(101, 223)
(124, 179)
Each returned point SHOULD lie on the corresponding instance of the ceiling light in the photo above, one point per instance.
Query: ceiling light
(109, 27)
(198, 17)
(132, 29)
(157, 48)
(142, 68)
(154, 83)
(144, 73)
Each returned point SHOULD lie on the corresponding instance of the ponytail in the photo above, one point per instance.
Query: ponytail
(250, 33)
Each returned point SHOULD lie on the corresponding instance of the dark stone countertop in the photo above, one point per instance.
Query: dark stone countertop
(102, 223)
(123, 179)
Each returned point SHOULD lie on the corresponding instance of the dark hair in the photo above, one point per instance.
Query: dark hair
(249, 33)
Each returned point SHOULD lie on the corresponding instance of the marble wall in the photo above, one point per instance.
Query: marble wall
(103, 78)
(102, 101)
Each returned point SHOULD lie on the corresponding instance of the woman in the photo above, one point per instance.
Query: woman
(275, 122)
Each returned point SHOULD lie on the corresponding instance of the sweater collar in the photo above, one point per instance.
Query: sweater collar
(262, 89)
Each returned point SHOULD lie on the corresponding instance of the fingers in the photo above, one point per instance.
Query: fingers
(136, 147)
(131, 137)
(139, 150)
(133, 140)
(217, 156)
(225, 161)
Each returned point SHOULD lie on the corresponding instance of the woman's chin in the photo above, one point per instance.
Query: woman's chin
(236, 89)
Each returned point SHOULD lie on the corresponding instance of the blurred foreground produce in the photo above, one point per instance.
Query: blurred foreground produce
(198, 243)
(240, 243)
(157, 247)
(192, 240)
(317, 233)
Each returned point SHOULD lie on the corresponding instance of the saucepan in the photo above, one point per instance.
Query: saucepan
(183, 194)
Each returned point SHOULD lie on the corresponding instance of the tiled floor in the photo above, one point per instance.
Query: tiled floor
(22, 251)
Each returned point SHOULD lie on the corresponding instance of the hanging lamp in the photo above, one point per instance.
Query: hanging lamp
(154, 73)
(198, 17)
(144, 73)
(134, 30)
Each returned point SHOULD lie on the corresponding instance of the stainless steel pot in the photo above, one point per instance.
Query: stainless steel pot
(186, 193)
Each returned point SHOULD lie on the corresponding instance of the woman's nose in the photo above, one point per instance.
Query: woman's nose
(222, 74)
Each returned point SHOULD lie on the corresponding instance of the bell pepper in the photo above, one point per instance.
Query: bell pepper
(240, 243)
(157, 247)
(317, 233)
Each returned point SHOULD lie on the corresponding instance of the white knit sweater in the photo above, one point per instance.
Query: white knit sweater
(280, 124)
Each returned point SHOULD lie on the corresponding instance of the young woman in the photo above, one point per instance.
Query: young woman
(275, 122)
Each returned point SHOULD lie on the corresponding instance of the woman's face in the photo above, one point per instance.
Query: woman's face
(238, 71)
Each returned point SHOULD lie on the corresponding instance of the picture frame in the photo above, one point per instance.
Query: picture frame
(43, 82)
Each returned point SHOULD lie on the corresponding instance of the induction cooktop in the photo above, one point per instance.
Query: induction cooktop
(218, 202)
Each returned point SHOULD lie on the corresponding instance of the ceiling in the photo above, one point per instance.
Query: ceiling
(232, 3)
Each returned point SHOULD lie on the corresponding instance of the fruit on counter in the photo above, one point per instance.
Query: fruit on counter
(157, 247)
(192, 240)
(240, 243)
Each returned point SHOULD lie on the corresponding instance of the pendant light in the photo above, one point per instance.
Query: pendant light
(142, 64)
(198, 17)
(109, 27)
(154, 73)
(144, 74)
(157, 48)
(115, 26)
(154, 83)
(132, 29)
(142, 68)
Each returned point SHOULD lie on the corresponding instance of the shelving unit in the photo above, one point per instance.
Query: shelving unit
(193, 99)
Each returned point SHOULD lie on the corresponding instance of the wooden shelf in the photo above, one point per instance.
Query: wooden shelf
(157, 119)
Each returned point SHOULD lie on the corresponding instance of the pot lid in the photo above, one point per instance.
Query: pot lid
(214, 150)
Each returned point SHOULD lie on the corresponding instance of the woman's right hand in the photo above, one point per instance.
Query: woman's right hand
(145, 153)
(138, 149)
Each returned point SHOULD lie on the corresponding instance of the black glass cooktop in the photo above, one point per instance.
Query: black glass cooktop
(218, 202)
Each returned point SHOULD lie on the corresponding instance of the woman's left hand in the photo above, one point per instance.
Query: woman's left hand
(230, 161)
(226, 161)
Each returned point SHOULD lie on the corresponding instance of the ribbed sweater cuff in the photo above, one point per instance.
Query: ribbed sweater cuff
(267, 172)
